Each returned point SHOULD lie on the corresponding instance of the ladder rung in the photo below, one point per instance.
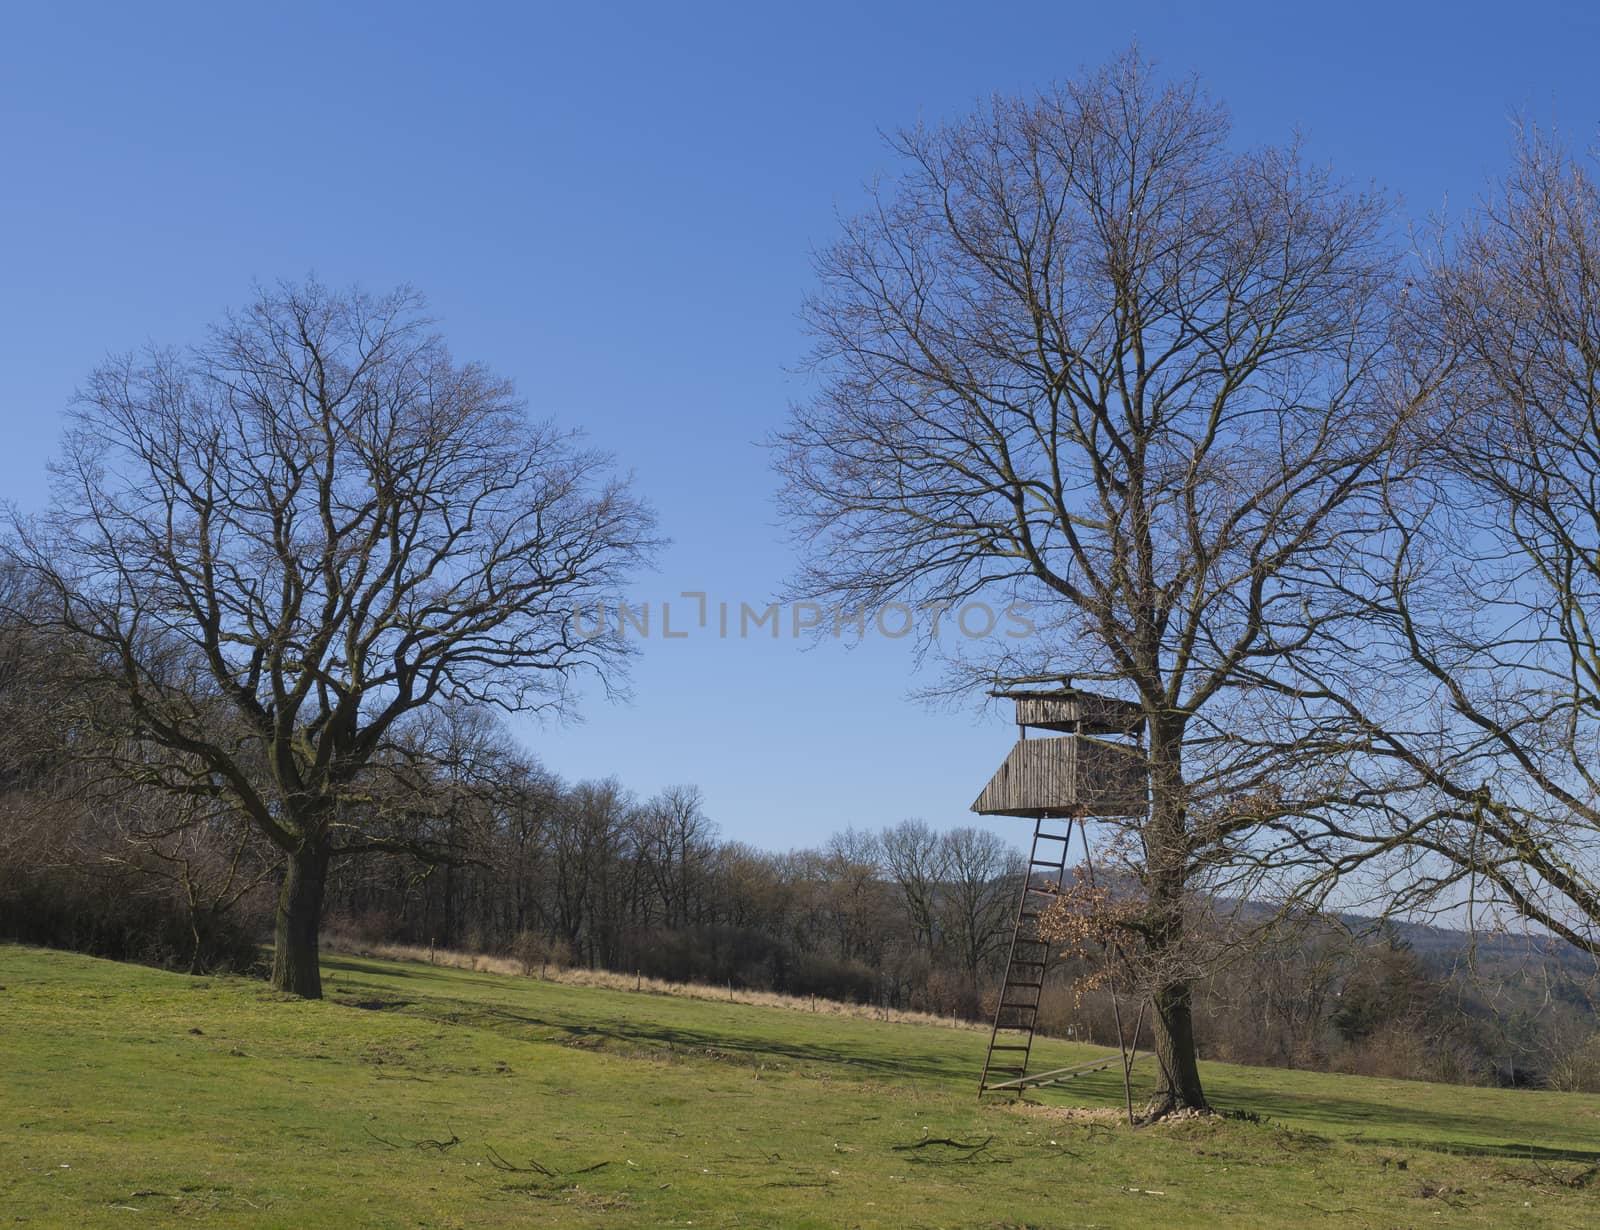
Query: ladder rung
(1052, 837)
(1025, 984)
(1018, 1008)
(1047, 862)
(1006, 1046)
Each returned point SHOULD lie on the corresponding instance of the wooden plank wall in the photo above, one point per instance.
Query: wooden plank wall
(1064, 774)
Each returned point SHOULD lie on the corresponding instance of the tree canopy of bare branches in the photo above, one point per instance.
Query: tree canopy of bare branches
(1483, 660)
(286, 545)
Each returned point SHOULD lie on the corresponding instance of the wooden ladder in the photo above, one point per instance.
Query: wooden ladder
(1016, 1012)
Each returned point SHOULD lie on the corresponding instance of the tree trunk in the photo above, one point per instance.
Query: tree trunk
(1178, 1085)
(195, 937)
(295, 966)
(1167, 871)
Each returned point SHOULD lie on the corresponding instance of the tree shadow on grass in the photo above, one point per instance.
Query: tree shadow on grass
(408, 971)
(718, 1045)
(647, 1034)
(1440, 1131)
(1511, 1150)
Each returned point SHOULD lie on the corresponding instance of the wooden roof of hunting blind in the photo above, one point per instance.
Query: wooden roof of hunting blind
(1073, 712)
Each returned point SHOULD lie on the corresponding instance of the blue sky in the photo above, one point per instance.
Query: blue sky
(616, 207)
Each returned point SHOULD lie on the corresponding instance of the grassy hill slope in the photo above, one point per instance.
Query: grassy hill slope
(397, 1101)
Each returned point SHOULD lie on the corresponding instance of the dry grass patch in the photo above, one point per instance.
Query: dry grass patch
(484, 963)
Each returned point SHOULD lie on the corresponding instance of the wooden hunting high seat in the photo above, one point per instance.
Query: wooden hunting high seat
(1057, 782)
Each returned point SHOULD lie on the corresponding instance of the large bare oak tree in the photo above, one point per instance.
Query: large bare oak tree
(283, 544)
(1082, 351)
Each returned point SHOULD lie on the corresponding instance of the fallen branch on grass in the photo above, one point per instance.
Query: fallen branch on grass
(441, 1146)
(535, 1166)
(944, 1140)
(970, 1149)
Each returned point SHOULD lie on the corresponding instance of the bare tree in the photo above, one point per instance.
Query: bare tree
(201, 851)
(24, 686)
(918, 861)
(588, 842)
(675, 839)
(850, 873)
(285, 543)
(1084, 354)
(1490, 701)
(980, 892)
(529, 799)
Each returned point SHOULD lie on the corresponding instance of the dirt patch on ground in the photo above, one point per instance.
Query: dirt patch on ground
(1070, 1114)
(1109, 1115)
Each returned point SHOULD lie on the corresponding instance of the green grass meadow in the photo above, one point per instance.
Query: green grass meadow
(420, 1096)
